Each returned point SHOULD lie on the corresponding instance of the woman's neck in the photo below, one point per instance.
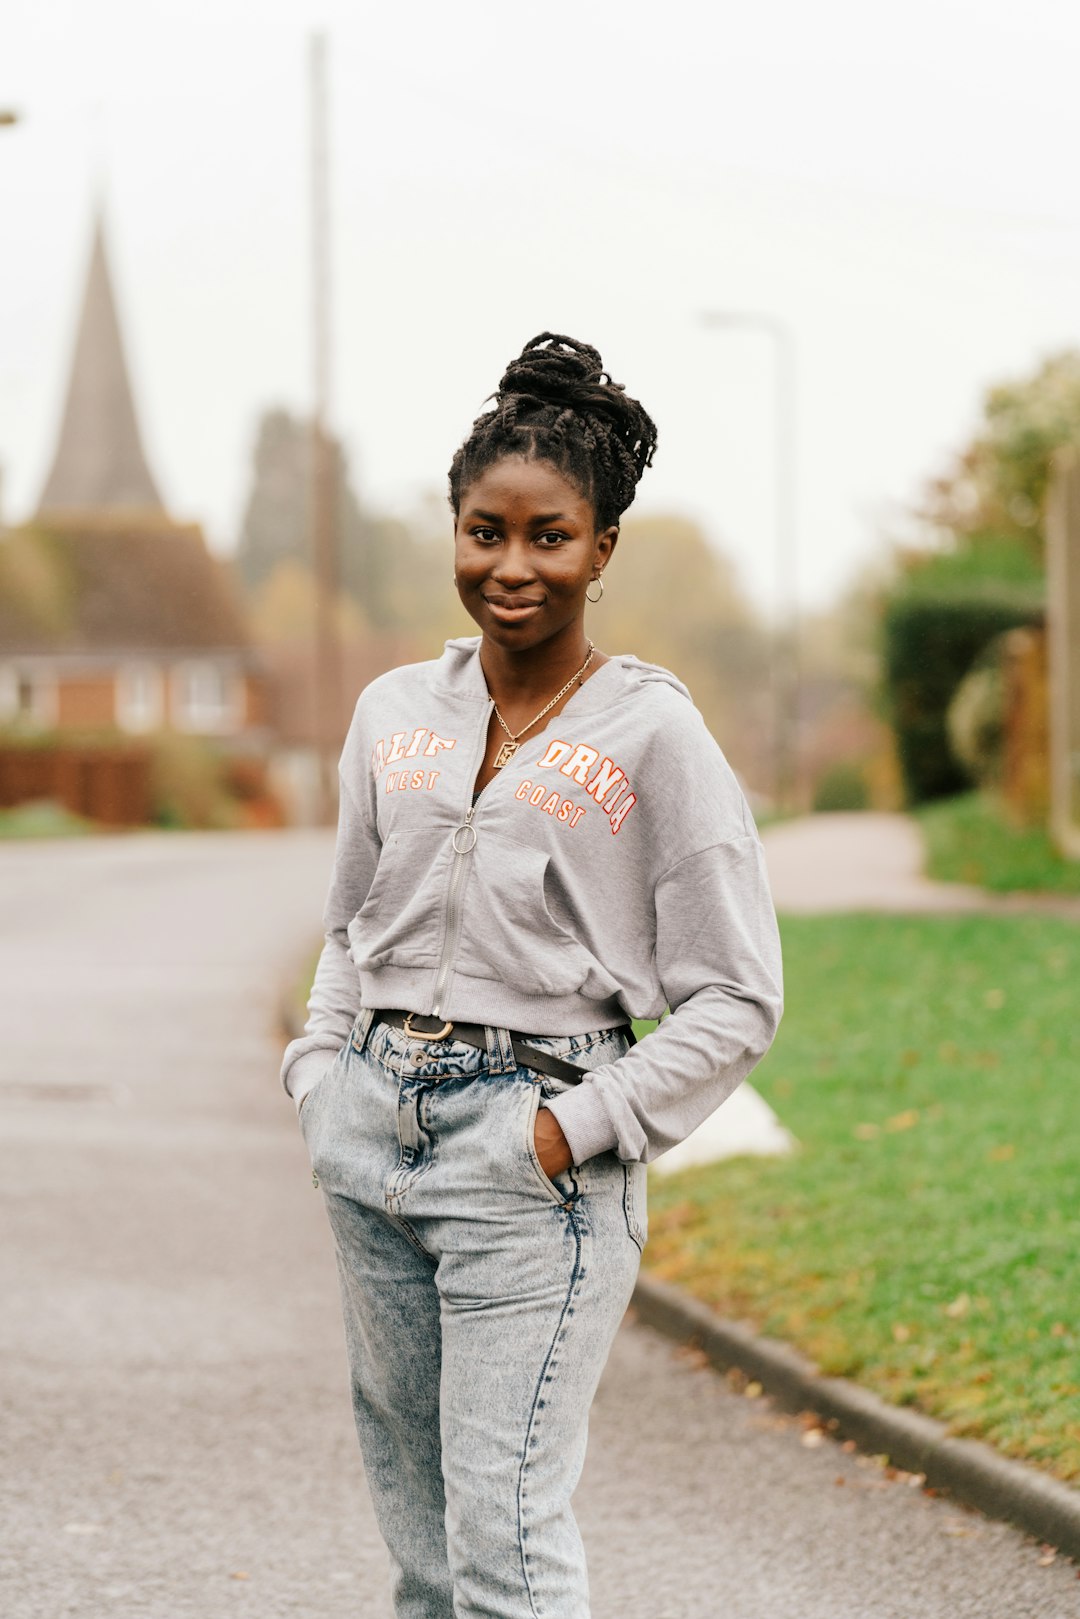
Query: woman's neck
(536, 672)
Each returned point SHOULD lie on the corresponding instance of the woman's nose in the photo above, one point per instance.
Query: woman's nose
(514, 564)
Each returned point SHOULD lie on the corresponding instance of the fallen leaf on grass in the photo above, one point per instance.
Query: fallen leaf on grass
(753, 1391)
(812, 1437)
(998, 1155)
(240, 1574)
(866, 1132)
(904, 1120)
(959, 1306)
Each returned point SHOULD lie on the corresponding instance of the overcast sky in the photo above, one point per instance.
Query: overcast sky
(897, 184)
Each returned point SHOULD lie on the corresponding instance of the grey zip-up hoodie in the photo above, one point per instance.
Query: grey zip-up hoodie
(610, 870)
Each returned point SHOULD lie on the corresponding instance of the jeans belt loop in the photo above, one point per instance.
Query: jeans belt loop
(362, 1028)
(500, 1051)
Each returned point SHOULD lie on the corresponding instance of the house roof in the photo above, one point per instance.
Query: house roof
(99, 463)
(104, 583)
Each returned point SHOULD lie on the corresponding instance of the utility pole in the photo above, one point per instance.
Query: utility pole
(323, 504)
(785, 661)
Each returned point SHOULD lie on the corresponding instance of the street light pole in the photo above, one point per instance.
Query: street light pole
(785, 551)
(323, 489)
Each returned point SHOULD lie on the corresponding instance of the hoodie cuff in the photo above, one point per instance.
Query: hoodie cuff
(584, 1122)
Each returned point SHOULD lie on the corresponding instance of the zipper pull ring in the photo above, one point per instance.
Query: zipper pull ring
(467, 832)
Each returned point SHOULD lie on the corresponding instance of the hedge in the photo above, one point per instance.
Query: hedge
(930, 643)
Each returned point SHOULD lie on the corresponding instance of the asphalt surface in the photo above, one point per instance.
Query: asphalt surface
(174, 1425)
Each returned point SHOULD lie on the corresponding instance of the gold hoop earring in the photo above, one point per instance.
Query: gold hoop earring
(599, 580)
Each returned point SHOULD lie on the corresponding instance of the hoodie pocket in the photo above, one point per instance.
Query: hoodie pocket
(399, 921)
(511, 932)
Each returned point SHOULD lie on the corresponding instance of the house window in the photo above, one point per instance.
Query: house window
(206, 697)
(139, 697)
(27, 697)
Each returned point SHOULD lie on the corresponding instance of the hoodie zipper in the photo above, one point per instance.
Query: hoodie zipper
(463, 842)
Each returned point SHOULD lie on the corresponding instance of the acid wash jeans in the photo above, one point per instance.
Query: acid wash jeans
(480, 1299)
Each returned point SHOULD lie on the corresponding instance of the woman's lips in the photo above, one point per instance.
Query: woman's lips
(511, 610)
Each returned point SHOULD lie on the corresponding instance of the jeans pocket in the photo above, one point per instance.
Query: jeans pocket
(570, 1188)
(636, 1202)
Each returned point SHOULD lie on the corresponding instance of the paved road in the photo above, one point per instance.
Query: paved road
(173, 1416)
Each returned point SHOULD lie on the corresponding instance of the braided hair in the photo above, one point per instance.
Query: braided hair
(557, 403)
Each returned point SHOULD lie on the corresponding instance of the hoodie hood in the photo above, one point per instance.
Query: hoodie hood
(459, 671)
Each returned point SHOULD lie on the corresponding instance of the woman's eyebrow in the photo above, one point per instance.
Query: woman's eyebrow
(496, 517)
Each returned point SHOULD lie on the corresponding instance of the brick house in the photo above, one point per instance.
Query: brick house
(112, 614)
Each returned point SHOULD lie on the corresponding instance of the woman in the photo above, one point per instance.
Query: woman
(537, 841)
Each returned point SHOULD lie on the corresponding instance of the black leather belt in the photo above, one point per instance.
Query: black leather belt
(474, 1034)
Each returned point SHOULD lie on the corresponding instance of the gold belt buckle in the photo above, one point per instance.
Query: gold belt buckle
(416, 1034)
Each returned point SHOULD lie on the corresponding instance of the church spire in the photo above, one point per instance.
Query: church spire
(99, 463)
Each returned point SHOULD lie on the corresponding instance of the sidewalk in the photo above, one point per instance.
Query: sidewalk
(873, 862)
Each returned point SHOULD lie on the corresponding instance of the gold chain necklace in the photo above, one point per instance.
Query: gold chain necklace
(508, 749)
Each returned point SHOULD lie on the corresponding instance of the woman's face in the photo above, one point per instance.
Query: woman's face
(525, 549)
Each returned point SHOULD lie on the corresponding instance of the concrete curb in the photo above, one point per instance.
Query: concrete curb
(971, 1471)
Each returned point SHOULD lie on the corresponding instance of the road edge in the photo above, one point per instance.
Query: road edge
(971, 1471)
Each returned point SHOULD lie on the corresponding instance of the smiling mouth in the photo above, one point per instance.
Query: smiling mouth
(512, 604)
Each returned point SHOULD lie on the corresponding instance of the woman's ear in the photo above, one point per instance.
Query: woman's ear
(606, 543)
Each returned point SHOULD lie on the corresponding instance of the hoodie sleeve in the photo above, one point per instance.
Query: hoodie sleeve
(335, 993)
(719, 964)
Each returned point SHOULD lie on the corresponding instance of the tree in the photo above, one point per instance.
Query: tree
(995, 491)
(277, 517)
(392, 570)
(673, 599)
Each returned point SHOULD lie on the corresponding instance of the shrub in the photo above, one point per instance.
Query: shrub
(842, 787)
(975, 718)
(930, 644)
(188, 784)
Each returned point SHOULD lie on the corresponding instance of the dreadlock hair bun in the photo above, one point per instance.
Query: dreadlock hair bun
(556, 403)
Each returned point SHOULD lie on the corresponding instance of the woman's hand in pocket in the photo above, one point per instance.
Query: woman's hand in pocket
(552, 1147)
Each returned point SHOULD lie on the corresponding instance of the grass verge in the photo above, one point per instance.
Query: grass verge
(924, 1239)
(43, 818)
(968, 840)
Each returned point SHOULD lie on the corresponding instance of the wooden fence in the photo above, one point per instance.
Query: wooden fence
(109, 785)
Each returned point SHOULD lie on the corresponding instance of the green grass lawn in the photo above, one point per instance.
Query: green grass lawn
(967, 840)
(925, 1239)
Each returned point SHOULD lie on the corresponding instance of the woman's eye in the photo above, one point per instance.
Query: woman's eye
(552, 536)
(484, 535)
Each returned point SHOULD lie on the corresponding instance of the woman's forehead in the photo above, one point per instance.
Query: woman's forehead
(526, 479)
